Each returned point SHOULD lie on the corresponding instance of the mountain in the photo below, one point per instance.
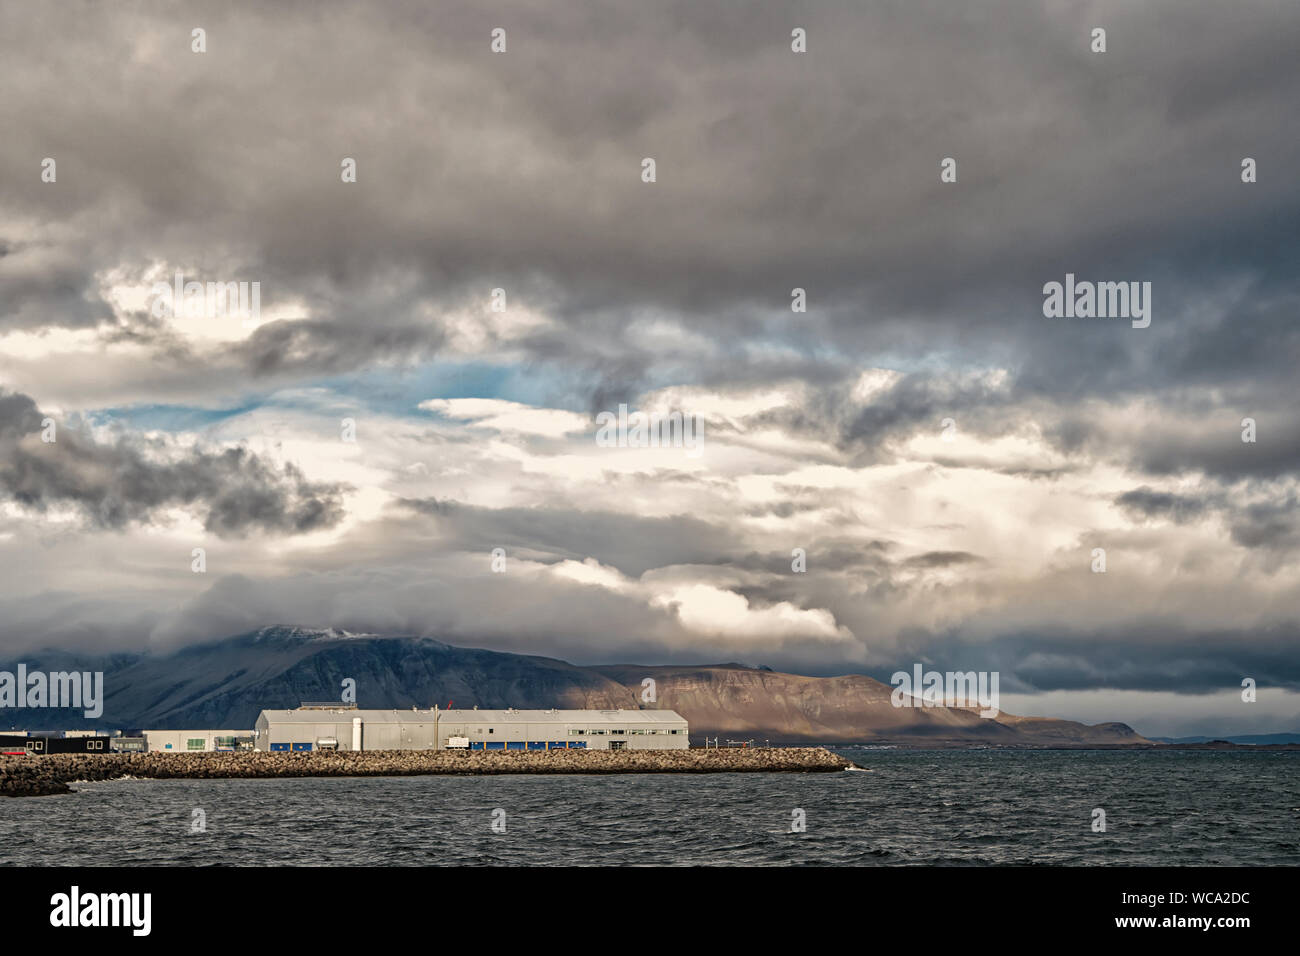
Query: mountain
(224, 684)
(743, 702)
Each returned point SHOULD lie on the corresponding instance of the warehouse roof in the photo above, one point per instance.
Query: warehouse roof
(594, 717)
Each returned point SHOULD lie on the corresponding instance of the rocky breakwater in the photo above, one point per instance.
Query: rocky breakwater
(42, 776)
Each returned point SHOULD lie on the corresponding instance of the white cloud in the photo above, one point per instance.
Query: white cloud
(716, 612)
(504, 416)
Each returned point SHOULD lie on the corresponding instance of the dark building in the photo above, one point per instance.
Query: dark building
(39, 744)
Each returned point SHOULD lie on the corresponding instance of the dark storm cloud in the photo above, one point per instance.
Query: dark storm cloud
(921, 402)
(775, 169)
(867, 561)
(1269, 526)
(942, 559)
(781, 509)
(1144, 503)
(1222, 453)
(44, 284)
(1157, 657)
(1140, 656)
(1209, 442)
(633, 544)
(119, 483)
(330, 346)
(1272, 525)
(636, 544)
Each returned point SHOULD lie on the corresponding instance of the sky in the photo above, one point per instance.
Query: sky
(435, 340)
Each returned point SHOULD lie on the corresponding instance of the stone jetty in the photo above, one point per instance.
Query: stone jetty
(30, 776)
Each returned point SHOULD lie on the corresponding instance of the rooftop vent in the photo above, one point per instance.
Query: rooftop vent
(325, 705)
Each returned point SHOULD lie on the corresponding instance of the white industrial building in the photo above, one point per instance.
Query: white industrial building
(186, 741)
(343, 728)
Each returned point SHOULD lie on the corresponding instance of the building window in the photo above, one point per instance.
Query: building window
(194, 743)
(576, 733)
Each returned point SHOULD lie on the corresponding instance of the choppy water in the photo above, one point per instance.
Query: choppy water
(915, 807)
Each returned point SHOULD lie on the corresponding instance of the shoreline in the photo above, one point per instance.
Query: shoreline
(51, 775)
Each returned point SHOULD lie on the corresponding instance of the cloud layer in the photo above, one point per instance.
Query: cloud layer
(946, 458)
